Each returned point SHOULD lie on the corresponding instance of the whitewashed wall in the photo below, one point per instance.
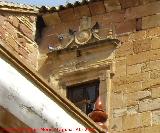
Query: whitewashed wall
(24, 100)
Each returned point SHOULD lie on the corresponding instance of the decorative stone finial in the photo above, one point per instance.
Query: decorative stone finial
(98, 115)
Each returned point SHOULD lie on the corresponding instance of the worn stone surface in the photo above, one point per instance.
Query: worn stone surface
(82, 11)
(121, 67)
(134, 69)
(135, 79)
(143, 57)
(136, 120)
(112, 5)
(150, 21)
(151, 129)
(141, 46)
(116, 124)
(131, 78)
(67, 15)
(148, 105)
(155, 92)
(97, 8)
(143, 10)
(129, 3)
(134, 98)
(17, 33)
(117, 100)
(131, 99)
(51, 19)
(126, 27)
(130, 87)
(156, 117)
(124, 49)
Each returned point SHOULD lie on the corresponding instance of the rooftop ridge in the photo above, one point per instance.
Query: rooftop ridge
(66, 6)
(17, 7)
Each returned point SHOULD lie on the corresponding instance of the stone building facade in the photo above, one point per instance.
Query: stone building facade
(127, 65)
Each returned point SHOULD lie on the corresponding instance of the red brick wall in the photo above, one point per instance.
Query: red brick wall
(17, 32)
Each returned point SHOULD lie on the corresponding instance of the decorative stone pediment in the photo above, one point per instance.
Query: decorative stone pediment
(87, 35)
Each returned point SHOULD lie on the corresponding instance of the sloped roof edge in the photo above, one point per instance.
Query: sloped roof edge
(77, 3)
(13, 7)
(36, 79)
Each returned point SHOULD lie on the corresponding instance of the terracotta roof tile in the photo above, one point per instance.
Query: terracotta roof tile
(10, 6)
(44, 9)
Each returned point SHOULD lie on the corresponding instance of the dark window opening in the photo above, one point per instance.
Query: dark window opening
(138, 24)
(39, 28)
(84, 95)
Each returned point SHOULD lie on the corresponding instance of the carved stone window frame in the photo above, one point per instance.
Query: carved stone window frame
(103, 72)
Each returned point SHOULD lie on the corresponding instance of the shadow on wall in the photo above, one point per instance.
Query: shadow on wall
(40, 25)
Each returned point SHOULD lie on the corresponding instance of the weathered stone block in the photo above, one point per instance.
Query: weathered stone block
(102, 19)
(140, 46)
(155, 74)
(32, 19)
(22, 41)
(134, 69)
(155, 43)
(126, 27)
(155, 65)
(116, 124)
(147, 1)
(116, 16)
(67, 15)
(119, 112)
(129, 3)
(97, 8)
(136, 130)
(112, 5)
(131, 99)
(136, 120)
(2, 32)
(127, 88)
(150, 83)
(72, 25)
(131, 110)
(131, 78)
(155, 92)
(112, 2)
(117, 100)
(156, 117)
(146, 67)
(11, 42)
(15, 21)
(124, 39)
(151, 21)
(151, 129)
(143, 57)
(143, 10)
(2, 19)
(51, 19)
(148, 105)
(138, 58)
(121, 67)
(138, 36)
(81, 11)
(153, 32)
(26, 31)
(23, 52)
(124, 50)
(11, 29)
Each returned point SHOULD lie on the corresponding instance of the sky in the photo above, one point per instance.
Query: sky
(43, 2)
